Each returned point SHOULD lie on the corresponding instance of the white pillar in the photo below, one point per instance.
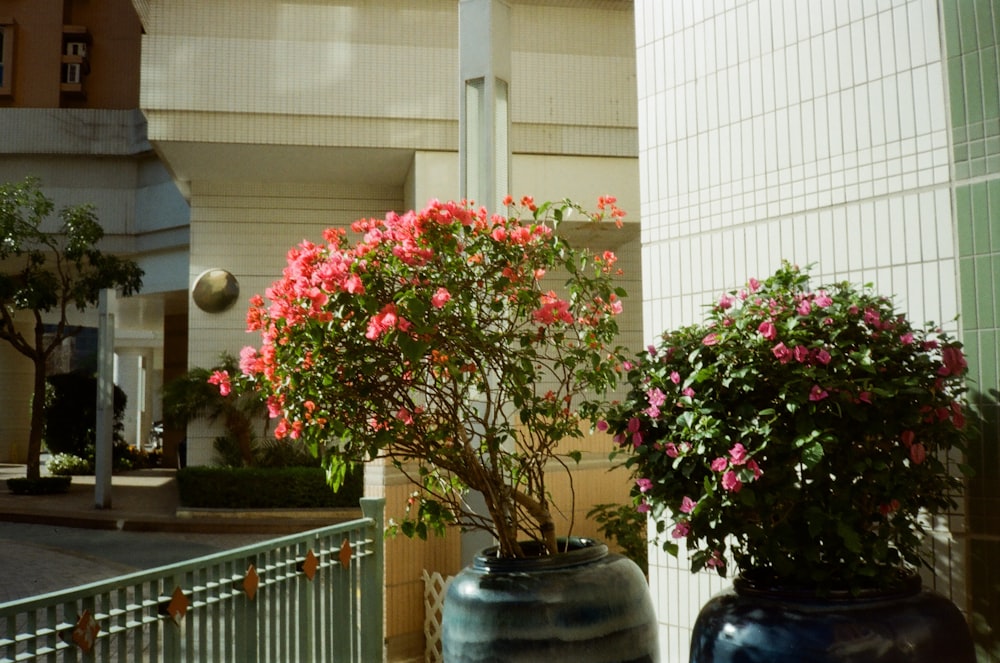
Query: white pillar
(484, 150)
(484, 122)
(132, 373)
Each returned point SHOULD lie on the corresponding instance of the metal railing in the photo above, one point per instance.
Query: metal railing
(313, 596)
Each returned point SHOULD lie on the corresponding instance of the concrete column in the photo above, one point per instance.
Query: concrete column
(132, 372)
(484, 121)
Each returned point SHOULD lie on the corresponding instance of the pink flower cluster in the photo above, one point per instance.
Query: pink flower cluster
(736, 469)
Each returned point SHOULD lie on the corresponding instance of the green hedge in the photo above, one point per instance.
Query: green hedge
(264, 488)
(40, 486)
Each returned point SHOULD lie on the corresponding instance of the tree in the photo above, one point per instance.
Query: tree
(191, 397)
(46, 269)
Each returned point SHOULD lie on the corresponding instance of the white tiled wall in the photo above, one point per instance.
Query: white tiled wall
(806, 130)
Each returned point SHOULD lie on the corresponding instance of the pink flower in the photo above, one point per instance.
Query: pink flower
(719, 464)
(687, 504)
(354, 285)
(384, 321)
(823, 357)
(656, 397)
(865, 397)
(754, 284)
(755, 468)
(405, 416)
(738, 454)
(221, 380)
(767, 330)
(822, 299)
(552, 310)
(817, 393)
(602, 426)
(652, 411)
(710, 339)
(250, 362)
(715, 561)
(671, 450)
(805, 307)
(440, 298)
(644, 485)
(907, 438)
(725, 302)
(891, 507)
(688, 391)
(681, 529)
(801, 354)
(675, 377)
(642, 507)
(957, 416)
(954, 361)
(918, 453)
(906, 339)
(781, 353)
(731, 482)
(872, 318)
(633, 424)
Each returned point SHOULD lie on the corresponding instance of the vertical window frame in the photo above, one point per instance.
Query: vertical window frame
(7, 56)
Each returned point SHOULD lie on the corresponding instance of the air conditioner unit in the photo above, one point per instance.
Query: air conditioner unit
(76, 48)
(71, 73)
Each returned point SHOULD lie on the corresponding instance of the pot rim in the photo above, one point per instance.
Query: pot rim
(762, 585)
(580, 550)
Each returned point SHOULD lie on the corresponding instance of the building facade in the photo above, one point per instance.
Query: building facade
(862, 138)
(69, 115)
(277, 120)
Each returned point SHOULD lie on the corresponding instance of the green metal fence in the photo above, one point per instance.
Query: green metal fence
(314, 596)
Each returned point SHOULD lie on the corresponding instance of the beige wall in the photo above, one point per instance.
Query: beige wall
(17, 374)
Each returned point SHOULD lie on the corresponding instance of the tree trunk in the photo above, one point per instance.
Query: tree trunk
(37, 420)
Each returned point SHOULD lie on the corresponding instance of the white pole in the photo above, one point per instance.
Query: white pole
(105, 400)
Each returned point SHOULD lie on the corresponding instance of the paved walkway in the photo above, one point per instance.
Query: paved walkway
(52, 542)
(147, 500)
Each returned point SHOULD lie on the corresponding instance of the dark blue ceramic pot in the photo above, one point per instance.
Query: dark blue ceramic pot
(754, 624)
(584, 605)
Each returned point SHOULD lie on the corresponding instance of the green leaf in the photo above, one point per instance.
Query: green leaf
(812, 455)
(850, 538)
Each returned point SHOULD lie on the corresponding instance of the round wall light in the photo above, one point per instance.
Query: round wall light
(215, 290)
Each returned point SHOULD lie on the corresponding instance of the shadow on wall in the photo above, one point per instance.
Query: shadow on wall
(983, 504)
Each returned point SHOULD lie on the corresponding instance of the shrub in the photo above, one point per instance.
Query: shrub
(71, 413)
(264, 488)
(40, 486)
(69, 465)
(624, 525)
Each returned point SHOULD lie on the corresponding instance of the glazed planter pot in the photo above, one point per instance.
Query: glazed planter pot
(584, 605)
(752, 624)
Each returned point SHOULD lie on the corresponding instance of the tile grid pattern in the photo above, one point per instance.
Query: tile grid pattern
(972, 35)
(810, 131)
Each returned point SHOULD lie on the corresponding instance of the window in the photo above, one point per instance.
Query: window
(6, 55)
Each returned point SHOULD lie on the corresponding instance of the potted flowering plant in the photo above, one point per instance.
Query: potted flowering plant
(435, 341)
(803, 431)
(804, 434)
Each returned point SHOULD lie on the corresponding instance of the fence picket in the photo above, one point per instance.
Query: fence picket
(335, 616)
